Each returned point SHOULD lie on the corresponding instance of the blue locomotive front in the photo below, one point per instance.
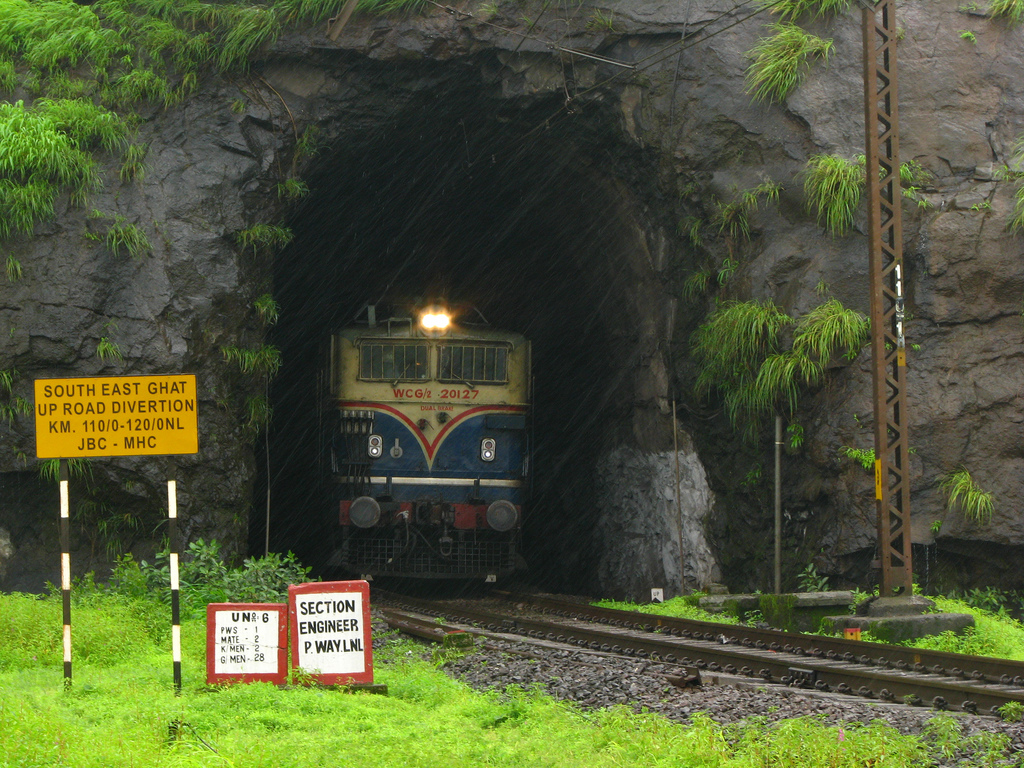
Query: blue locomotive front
(428, 444)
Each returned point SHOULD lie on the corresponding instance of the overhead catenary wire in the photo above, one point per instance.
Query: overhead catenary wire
(674, 48)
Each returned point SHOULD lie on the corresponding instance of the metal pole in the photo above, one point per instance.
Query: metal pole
(778, 504)
(888, 348)
(65, 567)
(172, 532)
(679, 503)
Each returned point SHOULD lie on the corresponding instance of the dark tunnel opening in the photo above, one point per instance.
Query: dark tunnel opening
(462, 199)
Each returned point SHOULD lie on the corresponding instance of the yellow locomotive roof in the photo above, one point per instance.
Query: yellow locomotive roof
(405, 329)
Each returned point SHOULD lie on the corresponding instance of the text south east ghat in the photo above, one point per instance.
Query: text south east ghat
(116, 389)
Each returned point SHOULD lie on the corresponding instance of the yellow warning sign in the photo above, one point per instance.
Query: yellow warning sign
(116, 416)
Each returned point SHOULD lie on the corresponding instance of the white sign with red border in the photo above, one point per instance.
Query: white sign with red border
(246, 642)
(330, 631)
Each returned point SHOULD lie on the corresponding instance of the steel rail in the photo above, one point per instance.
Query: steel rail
(646, 636)
(982, 668)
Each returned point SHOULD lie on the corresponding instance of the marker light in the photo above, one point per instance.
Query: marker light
(375, 446)
(364, 512)
(487, 449)
(435, 320)
(502, 515)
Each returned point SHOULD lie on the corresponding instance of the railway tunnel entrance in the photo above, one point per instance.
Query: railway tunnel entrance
(543, 227)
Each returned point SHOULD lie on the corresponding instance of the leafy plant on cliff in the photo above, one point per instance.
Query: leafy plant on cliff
(265, 236)
(267, 309)
(264, 359)
(1011, 10)
(833, 187)
(863, 456)
(780, 61)
(1015, 172)
(739, 352)
(13, 268)
(793, 9)
(830, 328)
(962, 492)
(40, 154)
(78, 469)
(11, 405)
(134, 168)
(733, 218)
(125, 237)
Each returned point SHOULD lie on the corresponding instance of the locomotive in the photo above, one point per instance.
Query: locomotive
(427, 447)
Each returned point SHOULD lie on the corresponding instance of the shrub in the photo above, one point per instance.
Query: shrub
(829, 328)
(961, 491)
(205, 578)
(266, 308)
(863, 456)
(265, 236)
(1016, 172)
(793, 9)
(86, 124)
(832, 189)
(1011, 10)
(125, 237)
(780, 61)
(738, 351)
(264, 359)
(39, 154)
(730, 349)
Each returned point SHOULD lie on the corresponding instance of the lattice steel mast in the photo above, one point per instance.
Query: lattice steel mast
(888, 348)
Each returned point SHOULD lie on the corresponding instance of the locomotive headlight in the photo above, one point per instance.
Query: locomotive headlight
(364, 512)
(435, 320)
(502, 515)
(487, 449)
(375, 446)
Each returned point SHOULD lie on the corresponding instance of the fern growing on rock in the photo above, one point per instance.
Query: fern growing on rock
(739, 353)
(966, 495)
(780, 62)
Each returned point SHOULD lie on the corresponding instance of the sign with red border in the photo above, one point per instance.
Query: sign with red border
(246, 643)
(330, 631)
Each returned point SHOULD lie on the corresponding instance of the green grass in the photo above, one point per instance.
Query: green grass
(13, 268)
(108, 350)
(738, 352)
(121, 705)
(794, 9)
(729, 350)
(1015, 172)
(264, 359)
(832, 189)
(994, 634)
(125, 238)
(863, 456)
(831, 328)
(265, 236)
(1011, 10)
(43, 152)
(11, 405)
(684, 607)
(780, 62)
(267, 309)
(966, 495)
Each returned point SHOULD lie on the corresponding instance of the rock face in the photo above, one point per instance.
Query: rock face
(548, 173)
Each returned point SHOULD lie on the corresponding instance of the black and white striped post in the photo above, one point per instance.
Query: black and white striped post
(172, 532)
(65, 567)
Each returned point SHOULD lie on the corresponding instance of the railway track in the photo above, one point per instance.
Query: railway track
(943, 681)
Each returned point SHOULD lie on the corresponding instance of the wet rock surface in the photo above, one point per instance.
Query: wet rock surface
(446, 134)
